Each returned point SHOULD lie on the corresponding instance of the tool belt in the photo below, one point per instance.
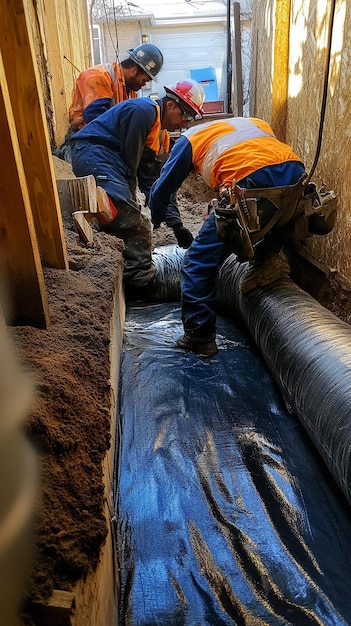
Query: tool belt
(237, 213)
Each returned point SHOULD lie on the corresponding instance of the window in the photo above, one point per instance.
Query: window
(96, 44)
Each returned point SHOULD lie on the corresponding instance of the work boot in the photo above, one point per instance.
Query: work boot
(202, 346)
(265, 272)
(134, 292)
(183, 236)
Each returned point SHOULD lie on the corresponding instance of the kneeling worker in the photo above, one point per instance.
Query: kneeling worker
(111, 148)
(99, 88)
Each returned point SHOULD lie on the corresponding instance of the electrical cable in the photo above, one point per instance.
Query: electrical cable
(325, 93)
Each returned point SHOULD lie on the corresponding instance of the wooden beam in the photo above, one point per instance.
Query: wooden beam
(82, 227)
(58, 611)
(49, 29)
(281, 68)
(20, 267)
(29, 114)
(83, 193)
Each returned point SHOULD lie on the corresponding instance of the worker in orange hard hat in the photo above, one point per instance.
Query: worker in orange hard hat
(112, 148)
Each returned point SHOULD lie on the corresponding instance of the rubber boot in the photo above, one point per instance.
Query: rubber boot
(139, 269)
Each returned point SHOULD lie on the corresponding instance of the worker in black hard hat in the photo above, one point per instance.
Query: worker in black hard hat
(100, 87)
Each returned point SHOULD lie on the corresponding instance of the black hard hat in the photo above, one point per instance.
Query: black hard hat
(149, 58)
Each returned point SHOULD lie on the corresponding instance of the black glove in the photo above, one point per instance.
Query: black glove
(183, 236)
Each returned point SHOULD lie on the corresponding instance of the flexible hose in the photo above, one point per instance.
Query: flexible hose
(308, 351)
(325, 92)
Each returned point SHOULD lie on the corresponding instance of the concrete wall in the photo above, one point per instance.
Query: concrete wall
(289, 55)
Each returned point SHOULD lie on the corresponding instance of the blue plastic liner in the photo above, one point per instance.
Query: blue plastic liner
(226, 512)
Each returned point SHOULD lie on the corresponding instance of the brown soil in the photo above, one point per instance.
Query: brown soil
(70, 420)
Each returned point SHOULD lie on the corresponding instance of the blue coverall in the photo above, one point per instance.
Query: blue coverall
(111, 148)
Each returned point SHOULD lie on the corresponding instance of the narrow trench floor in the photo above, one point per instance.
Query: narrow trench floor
(226, 513)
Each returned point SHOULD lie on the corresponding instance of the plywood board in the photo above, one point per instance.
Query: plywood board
(28, 110)
(20, 266)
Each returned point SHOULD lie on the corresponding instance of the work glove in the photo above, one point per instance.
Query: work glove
(183, 236)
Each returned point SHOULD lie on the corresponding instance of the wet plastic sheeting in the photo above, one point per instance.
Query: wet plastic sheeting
(226, 514)
(308, 351)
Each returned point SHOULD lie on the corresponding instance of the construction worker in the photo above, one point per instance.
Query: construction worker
(246, 151)
(111, 148)
(100, 87)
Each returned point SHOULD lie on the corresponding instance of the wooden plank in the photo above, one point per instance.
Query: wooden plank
(318, 263)
(50, 32)
(281, 68)
(29, 114)
(20, 266)
(58, 610)
(74, 36)
(83, 193)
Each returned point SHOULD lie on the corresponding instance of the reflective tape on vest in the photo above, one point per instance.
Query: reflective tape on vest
(234, 148)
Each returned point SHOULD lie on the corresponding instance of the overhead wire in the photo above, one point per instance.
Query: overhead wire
(107, 16)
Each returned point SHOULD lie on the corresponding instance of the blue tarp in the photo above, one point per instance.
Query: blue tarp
(225, 512)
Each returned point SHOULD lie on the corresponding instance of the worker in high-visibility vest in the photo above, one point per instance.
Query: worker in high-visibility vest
(236, 157)
(98, 88)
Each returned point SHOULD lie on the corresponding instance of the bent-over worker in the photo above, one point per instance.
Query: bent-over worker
(246, 151)
(99, 88)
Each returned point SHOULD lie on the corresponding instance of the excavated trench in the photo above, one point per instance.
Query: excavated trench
(232, 490)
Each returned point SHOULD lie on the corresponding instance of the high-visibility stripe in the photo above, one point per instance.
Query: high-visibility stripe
(235, 148)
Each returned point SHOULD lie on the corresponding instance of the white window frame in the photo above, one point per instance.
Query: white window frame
(93, 41)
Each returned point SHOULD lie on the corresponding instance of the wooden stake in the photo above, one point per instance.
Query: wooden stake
(82, 226)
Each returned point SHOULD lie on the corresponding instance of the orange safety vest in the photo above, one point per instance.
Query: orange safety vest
(100, 81)
(158, 140)
(235, 148)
